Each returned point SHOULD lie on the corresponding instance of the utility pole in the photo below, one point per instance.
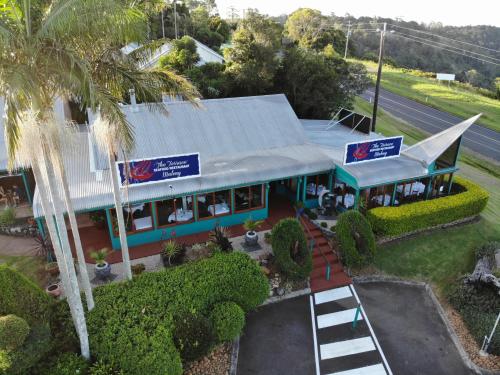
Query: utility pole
(379, 73)
(175, 19)
(347, 39)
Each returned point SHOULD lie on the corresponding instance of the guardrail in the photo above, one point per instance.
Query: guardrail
(312, 244)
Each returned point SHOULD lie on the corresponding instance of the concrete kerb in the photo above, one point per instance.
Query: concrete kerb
(463, 354)
(234, 356)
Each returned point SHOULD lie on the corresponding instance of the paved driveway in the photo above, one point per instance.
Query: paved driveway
(410, 331)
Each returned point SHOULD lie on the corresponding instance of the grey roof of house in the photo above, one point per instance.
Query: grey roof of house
(240, 141)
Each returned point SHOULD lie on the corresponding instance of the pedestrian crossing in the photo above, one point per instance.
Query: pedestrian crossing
(342, 347)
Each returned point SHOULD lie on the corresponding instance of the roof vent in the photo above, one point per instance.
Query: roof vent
(133, 100)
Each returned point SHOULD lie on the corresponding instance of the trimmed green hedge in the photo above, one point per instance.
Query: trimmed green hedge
(286, 234)
(132, 325)
(13, 331)
(356, 239)
(228, 320)
(393, 221)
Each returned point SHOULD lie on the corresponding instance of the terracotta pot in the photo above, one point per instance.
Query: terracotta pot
(54, 290)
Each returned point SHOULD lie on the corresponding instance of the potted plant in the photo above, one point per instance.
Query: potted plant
(52, 268)
(102, 268)
(98, 218)
(169, 251)
(54, 290)
(251, 226)
(299, 208)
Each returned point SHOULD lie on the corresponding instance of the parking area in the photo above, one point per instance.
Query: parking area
(280, 339)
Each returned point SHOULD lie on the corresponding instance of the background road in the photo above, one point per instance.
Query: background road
(482, 140)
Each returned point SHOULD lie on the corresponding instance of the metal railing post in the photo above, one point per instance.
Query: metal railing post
(328, 270)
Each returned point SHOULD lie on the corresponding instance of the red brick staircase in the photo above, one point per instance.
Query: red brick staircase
(322, 255)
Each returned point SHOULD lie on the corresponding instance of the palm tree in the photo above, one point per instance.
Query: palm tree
(44, 54)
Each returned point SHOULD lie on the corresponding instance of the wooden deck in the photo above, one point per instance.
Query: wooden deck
(94, 238)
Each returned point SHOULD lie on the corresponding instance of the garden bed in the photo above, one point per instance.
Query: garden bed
(216, 363)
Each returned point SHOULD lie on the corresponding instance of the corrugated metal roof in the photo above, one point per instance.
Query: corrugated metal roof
(240, 141)
(3, 146)
(428, 150)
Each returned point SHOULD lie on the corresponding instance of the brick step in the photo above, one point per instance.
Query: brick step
(337, 281)
(320, 272)
(318, 261)
(325, 248)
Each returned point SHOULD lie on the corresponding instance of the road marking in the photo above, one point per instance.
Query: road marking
(336, 318)
(371, 330)
(347, 347)
(315, 339)
(332, 295)
(377, 369)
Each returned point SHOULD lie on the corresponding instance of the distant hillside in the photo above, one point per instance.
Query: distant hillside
(409, 54)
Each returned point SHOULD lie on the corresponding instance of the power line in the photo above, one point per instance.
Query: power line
(450, 46)
(446, 49)
(444, 37)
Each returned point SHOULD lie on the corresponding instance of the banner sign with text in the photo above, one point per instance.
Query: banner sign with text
(153, 170)
(375, 149)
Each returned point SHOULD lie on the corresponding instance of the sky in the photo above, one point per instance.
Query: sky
(448, 12)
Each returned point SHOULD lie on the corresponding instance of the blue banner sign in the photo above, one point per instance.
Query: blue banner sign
(153, 170)
(373, 149)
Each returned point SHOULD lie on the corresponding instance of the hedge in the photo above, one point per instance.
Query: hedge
(286, 234)
(393, 221)
(13, 332)
(356, 239)
(132, 325)
(228, 320)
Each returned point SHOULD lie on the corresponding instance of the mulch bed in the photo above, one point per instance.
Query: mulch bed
(216, 363)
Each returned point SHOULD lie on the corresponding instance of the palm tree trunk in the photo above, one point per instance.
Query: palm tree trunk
(127, 270)
(81, 325)
(82, 266)
(51, 226)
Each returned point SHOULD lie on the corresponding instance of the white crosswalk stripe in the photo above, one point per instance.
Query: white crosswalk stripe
(347, 347)
(340, 317)
(332, 295)
(377, 369)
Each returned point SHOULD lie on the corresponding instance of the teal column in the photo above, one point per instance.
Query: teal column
(26, 187)
(393, 198)
(297, 198)
(267, 187)
(330, 180)
(155, 216)
(450, 183)
(304, 189)
(356, 200)
(110, 223)
(429, 187)
(195, 205)
(39, 224)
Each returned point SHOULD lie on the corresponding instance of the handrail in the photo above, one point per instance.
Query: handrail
(313, 244)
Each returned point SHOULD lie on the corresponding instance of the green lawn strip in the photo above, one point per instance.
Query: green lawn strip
(31, 267)
(456, 100)
(439, 257)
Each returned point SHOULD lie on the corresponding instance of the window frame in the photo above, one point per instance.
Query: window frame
(230, 204)
(175, 211)
(133, 231)
(263, 200)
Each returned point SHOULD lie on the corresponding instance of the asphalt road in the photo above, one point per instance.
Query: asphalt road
(479, 139)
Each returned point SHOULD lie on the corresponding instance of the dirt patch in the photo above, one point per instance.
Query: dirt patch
(216, 363)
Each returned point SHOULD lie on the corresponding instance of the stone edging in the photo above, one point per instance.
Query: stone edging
(470, 219)
(234, 356)
(463, 354)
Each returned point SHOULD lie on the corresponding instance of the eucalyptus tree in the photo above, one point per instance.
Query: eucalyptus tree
(45, 53)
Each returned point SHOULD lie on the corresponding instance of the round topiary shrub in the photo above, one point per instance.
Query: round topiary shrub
(290, 249)
(193, 337)
(69, 364)
(356, 239)
(228, 320)
(13, 332)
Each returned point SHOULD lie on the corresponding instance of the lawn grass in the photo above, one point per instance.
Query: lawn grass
(30, 266)
(439, 257)
(456, 100)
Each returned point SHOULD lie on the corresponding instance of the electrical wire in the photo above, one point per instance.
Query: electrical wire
(444, 37)
(446, 49)
(450, 46)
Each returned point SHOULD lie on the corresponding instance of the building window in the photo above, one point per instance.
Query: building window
(440, 185)
(345, 194)
(447, 159)
(217, 203)
(380, 196)
(137, 218)
(316, 184)
(411, 191)
(175, 211)
(249, 198)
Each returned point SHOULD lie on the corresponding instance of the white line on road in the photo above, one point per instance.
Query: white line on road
(347, 347)
(332, 295)
(377, 369)
(315, 339)
(336, 318)
(371, 330)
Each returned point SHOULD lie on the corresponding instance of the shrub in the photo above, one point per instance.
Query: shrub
(487, 250)
(220, 237)
(13, 332)
(228, 320)
(102, 368)
(333, 228)
(193, 337)
(69, 364)
(21, 297)
(138, 268)
(132, 324)
(324, 224)
(393, 221)
(310, 214)
(356, 239)
(8, 216)
(268, 237)
(290, 249)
